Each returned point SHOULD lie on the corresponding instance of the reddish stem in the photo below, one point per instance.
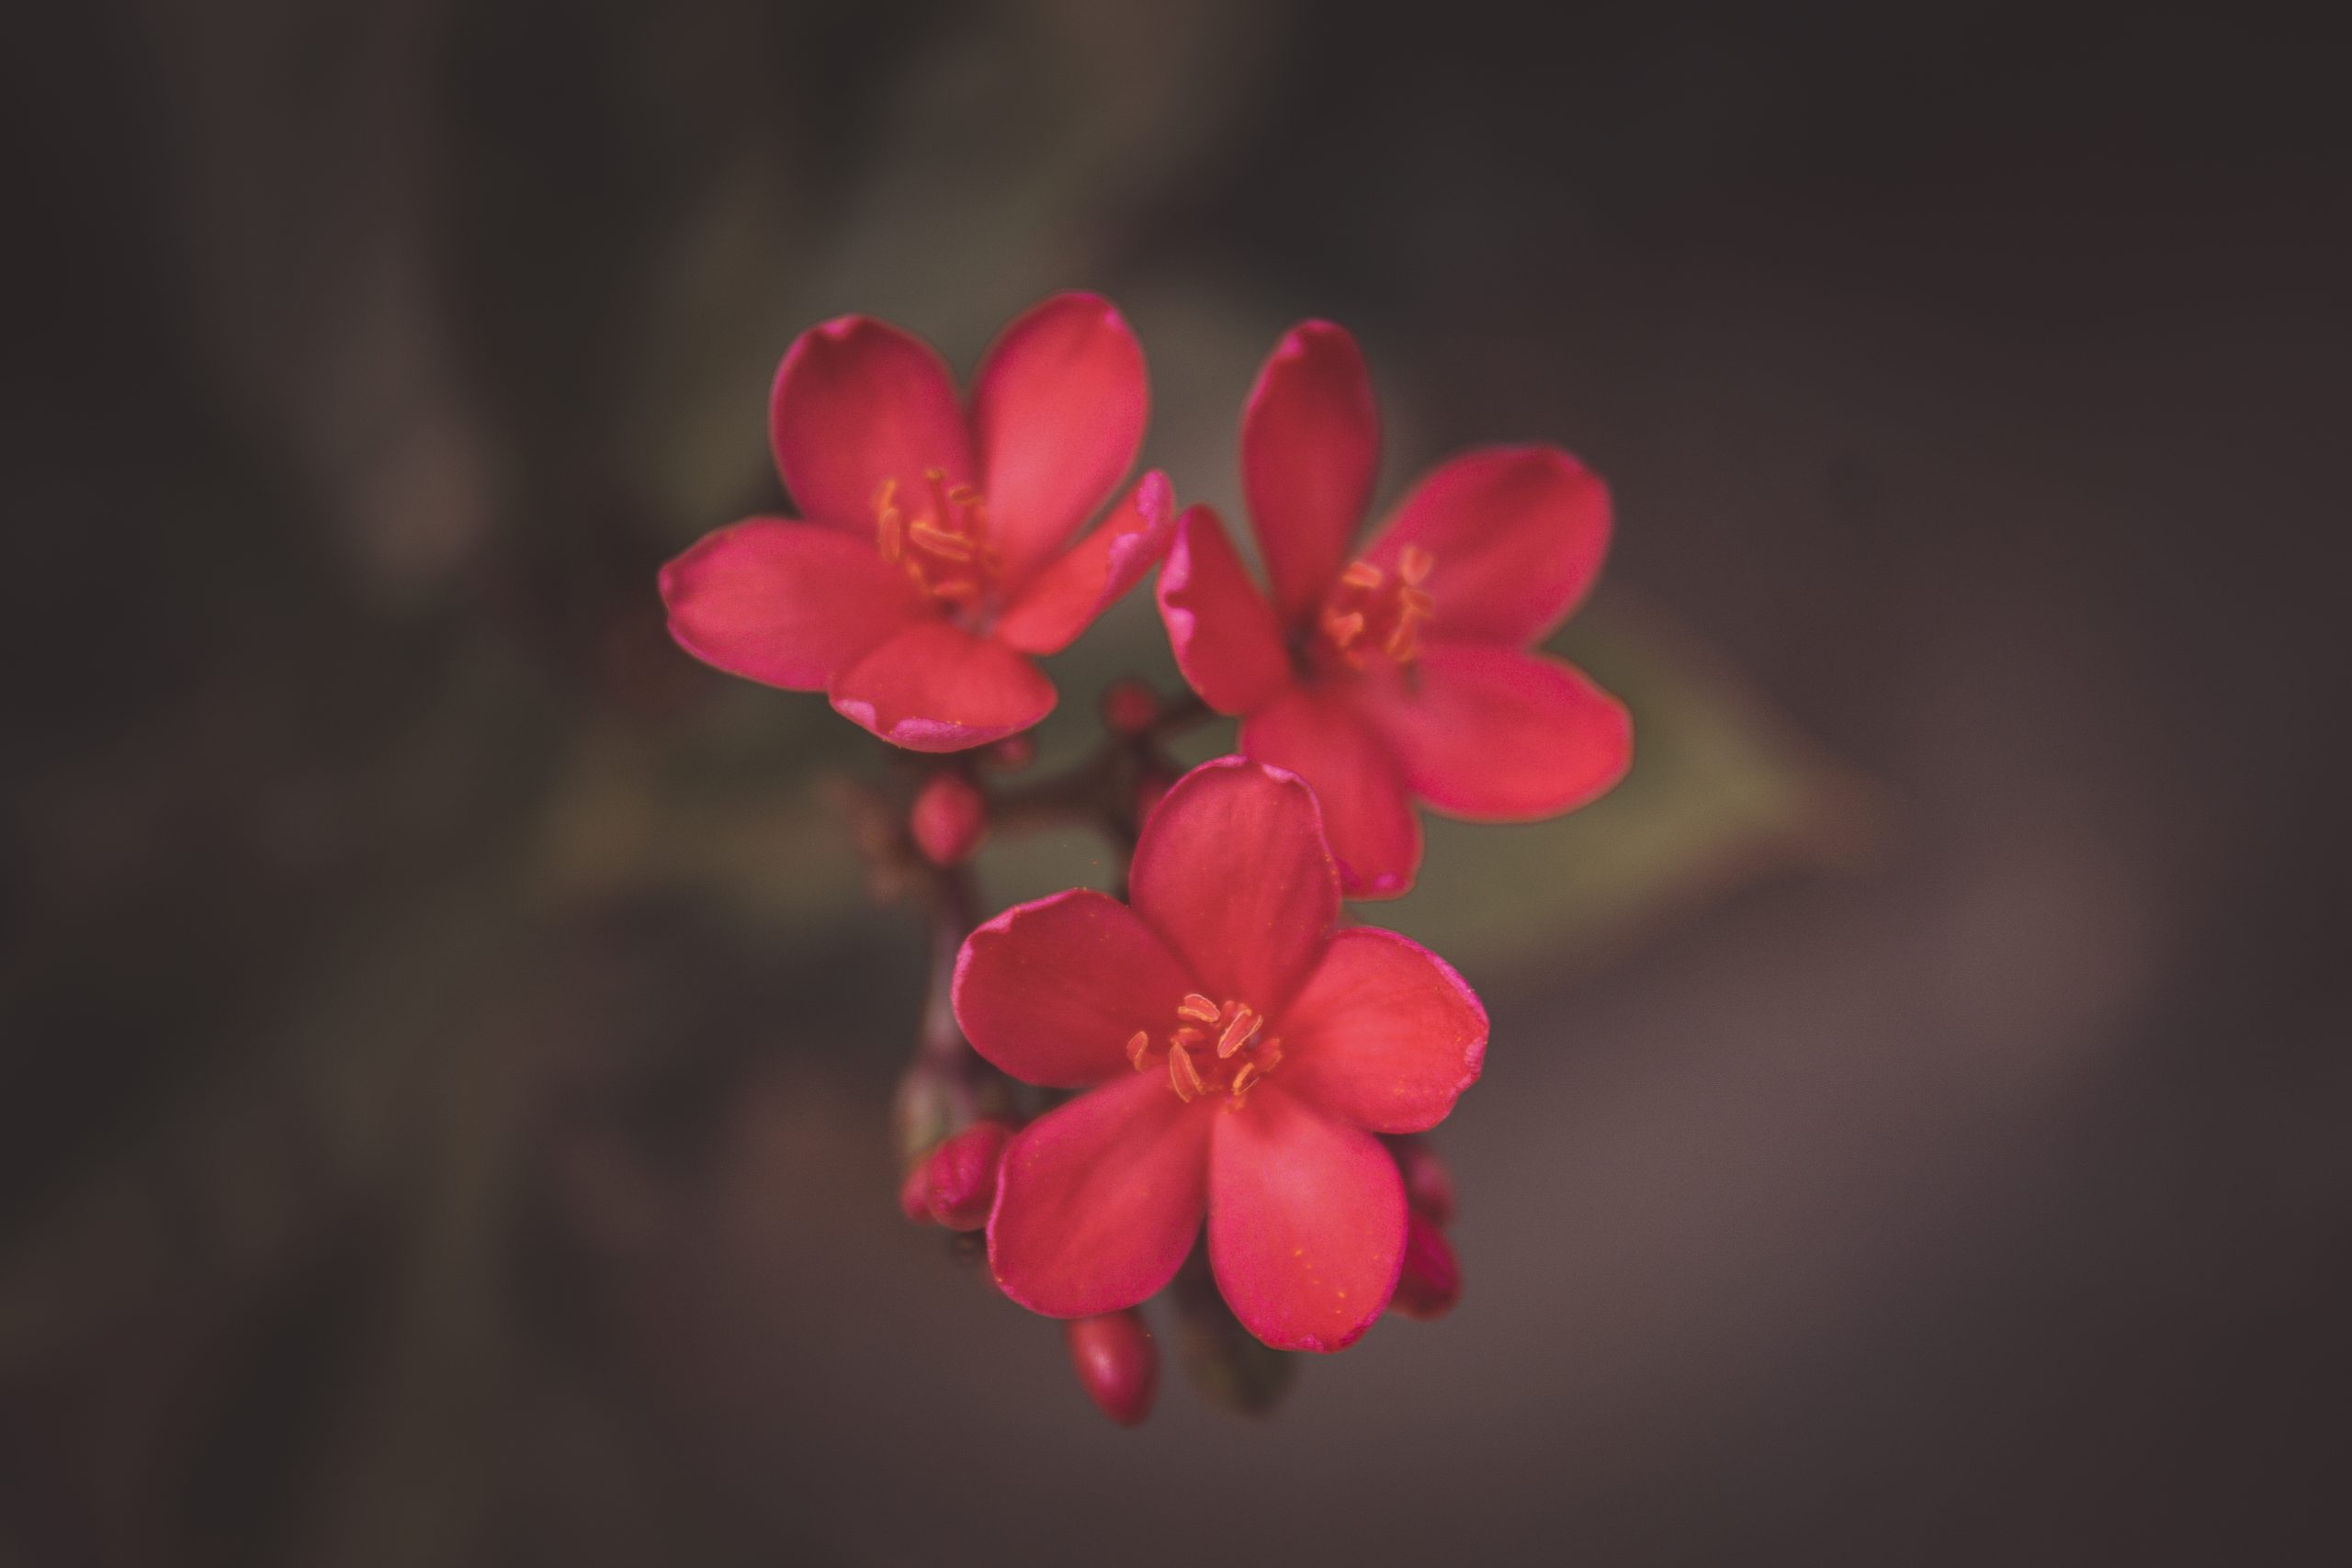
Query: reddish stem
(947, 1085)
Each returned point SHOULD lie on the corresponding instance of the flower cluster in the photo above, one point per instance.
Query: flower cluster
(1244, 1066)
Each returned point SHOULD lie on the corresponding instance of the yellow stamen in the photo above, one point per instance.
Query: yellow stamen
(939, 542)
(1182, 1075)
(1239, 1033)
(1368, 614)
(1215, 1048)
(888, 525)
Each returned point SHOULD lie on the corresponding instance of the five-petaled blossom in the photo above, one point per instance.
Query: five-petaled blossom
(935, 556)
(1403, 673)
(1237, 1053)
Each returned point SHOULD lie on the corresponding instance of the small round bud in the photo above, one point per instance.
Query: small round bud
(1117, 1363)
(1429, 1185)
(949, 819)
(1430, 1281)
(961, 1174)
(1129, 705)
(1013, 753)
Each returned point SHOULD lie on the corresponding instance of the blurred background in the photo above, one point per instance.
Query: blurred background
(445, 1037)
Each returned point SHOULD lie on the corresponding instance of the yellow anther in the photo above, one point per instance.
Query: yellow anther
(1239, 1033)
(939, 542)
(942, 541)
(1182, 1077)
(1368, 614)
(1213, 1049)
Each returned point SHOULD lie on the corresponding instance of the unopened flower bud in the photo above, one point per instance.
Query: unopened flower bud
(949, 819)
(1430, 1281)
(1117, 1363)
(960, 1176)
(1013, 753)
(1129, 705)
(1429, 1185)
(914, 1193)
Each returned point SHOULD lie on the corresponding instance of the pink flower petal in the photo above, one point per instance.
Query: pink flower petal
(858, 402)
(1498, 736)
(1306, 1222)
(1226, 640)
(1515, 535)
(1058, 409)
(785, 603)
(1232, 871)
(1051, 990)
(935, 687)
(1098, 1202)
(1063, 599)
(1310, 447)
(1315, 732)
(1384, 1034)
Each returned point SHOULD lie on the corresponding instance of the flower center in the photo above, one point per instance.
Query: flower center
(1210, 1050)
(940, 535)
(1370, 614)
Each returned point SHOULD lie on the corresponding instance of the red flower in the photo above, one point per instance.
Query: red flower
(1238, 1055)
(1404, 673)
(936, 553)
